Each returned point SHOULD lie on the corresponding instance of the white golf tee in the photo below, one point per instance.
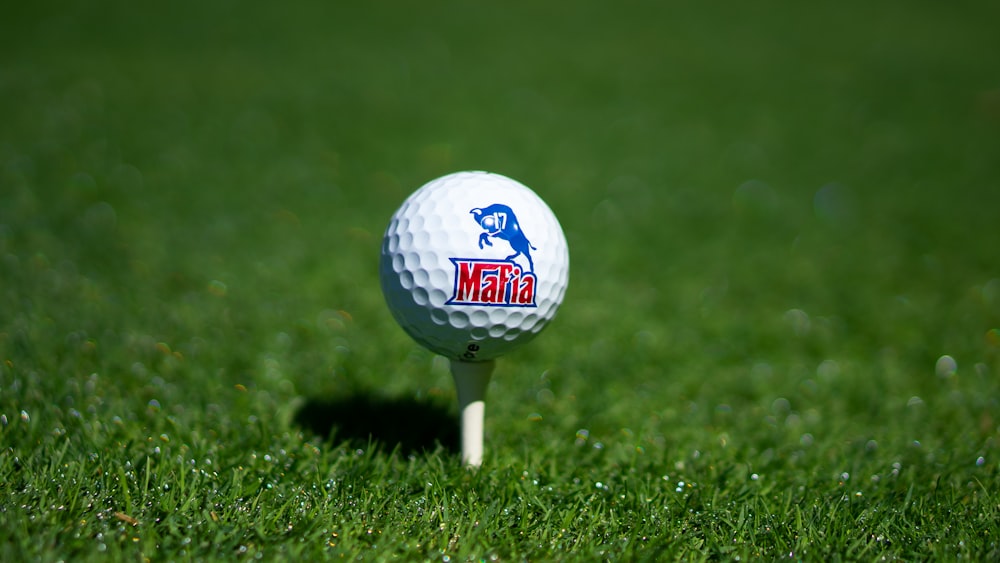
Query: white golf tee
(471, 379)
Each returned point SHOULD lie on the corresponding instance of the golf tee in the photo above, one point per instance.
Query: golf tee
(471, 379)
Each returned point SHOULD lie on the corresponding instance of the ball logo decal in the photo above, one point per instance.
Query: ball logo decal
(499, 221)
(492, 283)
(498, 283)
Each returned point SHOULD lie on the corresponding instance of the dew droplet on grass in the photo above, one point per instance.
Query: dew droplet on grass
(828, 369)
(798, 320)
(946, 366)
(834, 205)
(217, 288)
(545, 396)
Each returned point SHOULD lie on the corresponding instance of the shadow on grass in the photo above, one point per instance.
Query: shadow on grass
(412, 425)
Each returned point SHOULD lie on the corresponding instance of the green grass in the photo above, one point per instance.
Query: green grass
(783, 228)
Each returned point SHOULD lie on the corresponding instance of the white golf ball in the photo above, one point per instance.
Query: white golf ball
(473, 265)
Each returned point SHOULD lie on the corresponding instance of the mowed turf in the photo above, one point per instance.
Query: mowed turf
(781, 337)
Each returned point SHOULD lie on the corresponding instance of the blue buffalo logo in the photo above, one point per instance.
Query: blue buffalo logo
(499, 221)
(494, 282)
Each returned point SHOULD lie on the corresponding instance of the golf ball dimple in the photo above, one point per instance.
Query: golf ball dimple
(473, 265)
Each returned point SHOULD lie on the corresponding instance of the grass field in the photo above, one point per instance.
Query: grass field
(781, 337)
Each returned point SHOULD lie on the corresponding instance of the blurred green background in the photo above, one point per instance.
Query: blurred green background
(782, 220)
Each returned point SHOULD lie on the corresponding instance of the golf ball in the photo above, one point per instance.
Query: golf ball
(473, 265)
